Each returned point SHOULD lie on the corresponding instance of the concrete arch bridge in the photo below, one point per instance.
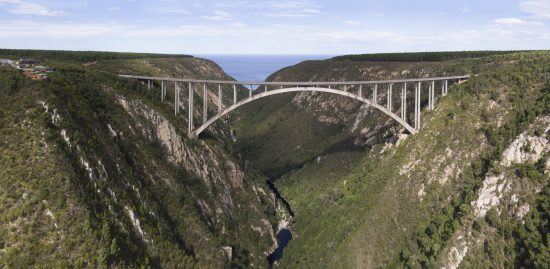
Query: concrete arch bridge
(362, 91)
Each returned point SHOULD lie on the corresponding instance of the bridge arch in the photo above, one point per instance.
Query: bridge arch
(304, 87)
(195, 133)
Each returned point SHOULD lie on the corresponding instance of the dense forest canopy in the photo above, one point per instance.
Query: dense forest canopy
(420, 56)
(79, 56)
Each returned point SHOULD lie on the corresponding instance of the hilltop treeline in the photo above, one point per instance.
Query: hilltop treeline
(420, 56)
(79, 56)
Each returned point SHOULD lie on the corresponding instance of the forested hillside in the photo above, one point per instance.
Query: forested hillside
(80, 56)
(467, 191)
(96, 172)
(421, 56)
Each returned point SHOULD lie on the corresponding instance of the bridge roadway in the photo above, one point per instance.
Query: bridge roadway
(353, 89)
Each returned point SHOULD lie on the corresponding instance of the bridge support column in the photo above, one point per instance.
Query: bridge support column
(446, 87)
(417, 91)
(234, 93)
(204, 104)
(219, 98)
(375, 94)
(389, 95)
(430, 97)
(360, 91)
(165, 90)
(176, 98)
(162, 91)
(190, 115)
(433, 95)
(404, 102)
(149, 84)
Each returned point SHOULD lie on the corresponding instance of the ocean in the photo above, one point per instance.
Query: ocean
(257, 68)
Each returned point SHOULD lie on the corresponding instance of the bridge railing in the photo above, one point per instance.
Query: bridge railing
(365, 91)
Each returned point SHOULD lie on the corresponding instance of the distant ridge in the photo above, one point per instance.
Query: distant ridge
(80, 56)
(421, 56)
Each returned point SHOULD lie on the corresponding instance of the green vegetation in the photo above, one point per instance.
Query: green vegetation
(89, 169)
(79, 56)
(363, 205)
(421, 56)
(87, 179)
(439, 230)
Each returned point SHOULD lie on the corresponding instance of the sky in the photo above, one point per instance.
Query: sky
(311, 27)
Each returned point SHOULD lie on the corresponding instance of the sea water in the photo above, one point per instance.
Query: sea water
(257, 68)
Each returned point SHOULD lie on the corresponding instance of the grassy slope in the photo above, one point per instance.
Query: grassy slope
(94, 227)
(355, 209)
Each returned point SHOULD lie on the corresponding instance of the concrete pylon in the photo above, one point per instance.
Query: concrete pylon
(404, 102)
(190, 115)
(204, 104)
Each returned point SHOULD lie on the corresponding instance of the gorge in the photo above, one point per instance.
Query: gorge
(96, 168)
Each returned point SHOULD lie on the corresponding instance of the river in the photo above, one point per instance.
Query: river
(284, 234)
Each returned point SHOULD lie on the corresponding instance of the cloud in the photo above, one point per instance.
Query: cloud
(537, 8)
(289, 9)
(18, 7)
(352, 23)
(219, 15)
(515, 21)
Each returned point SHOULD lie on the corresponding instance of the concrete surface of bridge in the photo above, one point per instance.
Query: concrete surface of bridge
(363, 91)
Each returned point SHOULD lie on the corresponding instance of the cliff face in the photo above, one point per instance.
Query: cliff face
(372, 196)
(96, 172)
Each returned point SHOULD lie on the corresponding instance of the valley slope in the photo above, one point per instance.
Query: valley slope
(365, 194)
(96, 172)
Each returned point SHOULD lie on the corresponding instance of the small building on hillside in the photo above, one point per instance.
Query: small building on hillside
(6, 62)
(29, 61)
(42, 69)
(35, 75)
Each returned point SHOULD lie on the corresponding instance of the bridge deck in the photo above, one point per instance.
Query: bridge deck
(308, 83)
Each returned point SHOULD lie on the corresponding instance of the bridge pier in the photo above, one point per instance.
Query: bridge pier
(190, 115)
(234, 93)
(149, 84)
(389, 95)
(219, 98)
(433, 95)
(163, 91)
(176, 98)
(204, 104)
(360, 93)
(417, 91)
(404, 102)
(375, 94)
